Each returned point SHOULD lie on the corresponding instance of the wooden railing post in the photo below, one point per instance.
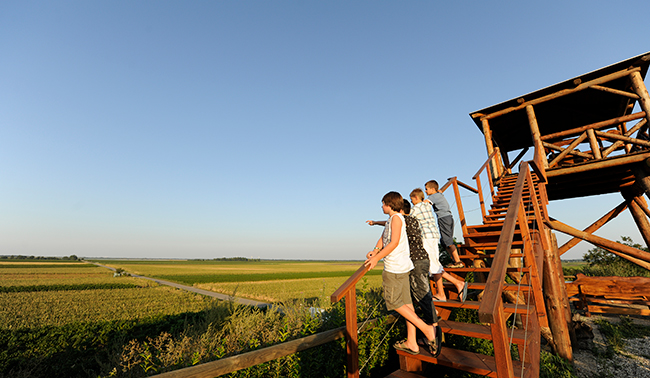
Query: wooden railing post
(459, 205)
(501, 343)
(351, 336)
(348, 291)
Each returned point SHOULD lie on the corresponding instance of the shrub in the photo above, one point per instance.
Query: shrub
(603, 263)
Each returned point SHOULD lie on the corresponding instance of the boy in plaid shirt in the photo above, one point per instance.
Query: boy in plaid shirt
(423, 212)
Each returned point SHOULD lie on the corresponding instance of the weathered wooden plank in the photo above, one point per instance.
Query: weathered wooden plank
(612, 286)
(618, 310)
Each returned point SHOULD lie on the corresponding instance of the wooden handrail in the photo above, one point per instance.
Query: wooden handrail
(245, 360)
(487, 162)
(494, 285)
(466, 186)
(349, 283)
(490, 309)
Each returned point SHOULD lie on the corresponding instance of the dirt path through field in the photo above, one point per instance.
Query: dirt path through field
(244, 301)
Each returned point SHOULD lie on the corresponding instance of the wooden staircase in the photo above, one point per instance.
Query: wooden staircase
(509, 244)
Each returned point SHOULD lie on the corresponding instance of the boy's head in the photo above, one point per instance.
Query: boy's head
(406, 207)
(431, 187)
(393, 200)
(417, 196)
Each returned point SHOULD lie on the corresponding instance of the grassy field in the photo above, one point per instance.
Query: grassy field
(269, 281)
(54, 294)
(77, 319)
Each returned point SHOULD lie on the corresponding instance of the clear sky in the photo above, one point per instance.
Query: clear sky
(202, 129)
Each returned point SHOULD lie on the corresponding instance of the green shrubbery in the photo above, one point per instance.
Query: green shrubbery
(603, 263)
(138, 348)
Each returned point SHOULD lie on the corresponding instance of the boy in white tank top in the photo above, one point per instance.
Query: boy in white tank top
(393, 248)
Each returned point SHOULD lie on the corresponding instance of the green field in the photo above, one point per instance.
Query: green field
(268, 281)
(54, 294)
(76, 319)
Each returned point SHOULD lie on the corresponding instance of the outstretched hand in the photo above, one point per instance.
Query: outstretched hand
(370, 223)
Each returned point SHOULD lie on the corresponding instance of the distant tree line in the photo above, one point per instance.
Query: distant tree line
(21, 257)
(232, 259)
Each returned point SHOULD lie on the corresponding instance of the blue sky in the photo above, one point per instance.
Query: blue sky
(266, 129)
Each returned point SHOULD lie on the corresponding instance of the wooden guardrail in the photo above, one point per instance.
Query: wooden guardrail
(491, 307)
(349, 292)
(245, 360)
(456, 184)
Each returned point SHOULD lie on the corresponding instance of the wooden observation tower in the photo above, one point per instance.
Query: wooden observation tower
(587, 136)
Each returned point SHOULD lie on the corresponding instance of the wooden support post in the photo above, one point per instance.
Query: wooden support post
(642, 204)
(480, 196)
(641, 90)
(593, 142)
(642, 177)
(459, 205)
(487, 132)
(564, 296)
(553, 294)
(351, 336)
(540, 153)
(638, 215)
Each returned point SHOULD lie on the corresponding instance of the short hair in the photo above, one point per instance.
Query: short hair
(393, 200)
(417, 193)
(406, 207)
(432, 184)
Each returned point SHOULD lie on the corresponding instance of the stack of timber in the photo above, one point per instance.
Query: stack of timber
(612, 295)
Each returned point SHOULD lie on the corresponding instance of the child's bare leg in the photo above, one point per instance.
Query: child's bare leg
(408, 312)
(440, 295)
(453, 252)
(457, 282)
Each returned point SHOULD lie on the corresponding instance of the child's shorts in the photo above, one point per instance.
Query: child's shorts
(446, 226)
(431, 246)
(397, 289)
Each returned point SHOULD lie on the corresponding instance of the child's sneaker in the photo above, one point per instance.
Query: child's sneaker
(456, 265)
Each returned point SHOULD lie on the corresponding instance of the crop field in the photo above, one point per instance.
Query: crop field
(268, 281)
(54, 294)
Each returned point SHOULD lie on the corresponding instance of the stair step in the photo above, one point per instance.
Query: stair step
(488, 256)
(490, 246)
(461, 270)
(478, 331)
(403, 374)
(474, 305)
(481, 286)
(487, 234)
(467, 361)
